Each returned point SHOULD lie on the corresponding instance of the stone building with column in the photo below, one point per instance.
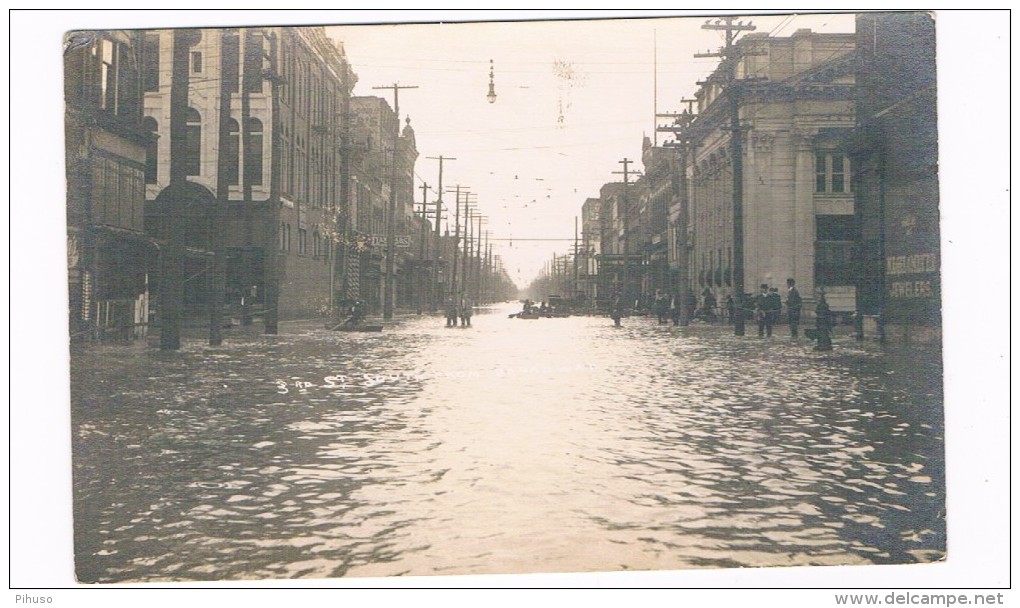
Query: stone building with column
(796, 107)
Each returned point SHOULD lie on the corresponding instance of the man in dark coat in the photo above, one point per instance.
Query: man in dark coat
(794, 304)
(451, 313)
(823, 323)
(762, 306)
(775, 304)
(662, 307)
(616, 313)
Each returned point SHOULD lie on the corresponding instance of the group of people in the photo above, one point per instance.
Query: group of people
(768, 305)
(766, 308)
(462, 312)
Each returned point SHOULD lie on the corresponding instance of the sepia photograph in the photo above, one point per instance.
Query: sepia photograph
(618, 295)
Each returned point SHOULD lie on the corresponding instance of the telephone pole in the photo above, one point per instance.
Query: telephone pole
(468, 233)
(439, 216)
(423, 236)
(626, 223)
(456, 244)
(681, 122)
(577, 280)
(728, 54)
(477, 267)
(389, 283)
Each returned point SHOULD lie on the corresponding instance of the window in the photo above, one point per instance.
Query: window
(831, 173)
(232, 160)
(196, 62)
(834, 263)
(834, 227)
(302, 241)
(151, 150)
(193, 139)
(253, 154)
(107, 76)
(834, 249)
(231, 59)
(118, 196)
(253, 58)
(150, 61)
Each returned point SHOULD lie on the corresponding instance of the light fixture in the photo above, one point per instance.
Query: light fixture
(492, 85)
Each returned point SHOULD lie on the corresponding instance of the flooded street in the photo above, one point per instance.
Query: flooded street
(549, 445)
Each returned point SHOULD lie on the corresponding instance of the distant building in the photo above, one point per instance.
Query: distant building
(373, 124)
(896, 177)
(109, 255)
(591, 249)
(658, 192)
(796, 109)
(620, 261)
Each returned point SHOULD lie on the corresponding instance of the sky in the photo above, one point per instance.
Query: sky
(574, 97)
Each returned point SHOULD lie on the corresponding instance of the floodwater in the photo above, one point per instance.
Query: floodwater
(515, 446)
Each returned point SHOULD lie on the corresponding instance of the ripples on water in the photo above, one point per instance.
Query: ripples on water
(553, 445)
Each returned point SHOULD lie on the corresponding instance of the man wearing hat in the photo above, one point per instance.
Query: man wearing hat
(794, 304)
(763, 312)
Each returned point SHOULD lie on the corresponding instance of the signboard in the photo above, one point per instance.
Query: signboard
(378, 240)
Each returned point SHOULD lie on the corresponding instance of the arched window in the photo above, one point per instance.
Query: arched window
(150, 125)
(232, 160)
(193, 139)
(253, 155)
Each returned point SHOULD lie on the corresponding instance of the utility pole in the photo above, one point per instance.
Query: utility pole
(478, 260)
(577, 279)
(682, 145)
(626, 224)
(468, 230)
(456, 244)
(732, 91)
(486, 282)
(389, 286)
(423, 238)
(271, 313)
(439, 215)
(171, 280)
(218, 214)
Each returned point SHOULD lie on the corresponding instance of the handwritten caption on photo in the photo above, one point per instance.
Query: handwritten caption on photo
(368, 380)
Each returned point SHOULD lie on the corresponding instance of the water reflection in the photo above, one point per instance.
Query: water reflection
(544, 446)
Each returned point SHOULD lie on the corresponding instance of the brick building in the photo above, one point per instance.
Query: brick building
(261, 159)
(373, 124)
(896, 177)
(110, 257)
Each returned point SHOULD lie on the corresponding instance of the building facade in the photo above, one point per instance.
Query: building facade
(658, 194)
(373, 176)
(110, 257)
(896, 177)
(261, 155)
(795, 98)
